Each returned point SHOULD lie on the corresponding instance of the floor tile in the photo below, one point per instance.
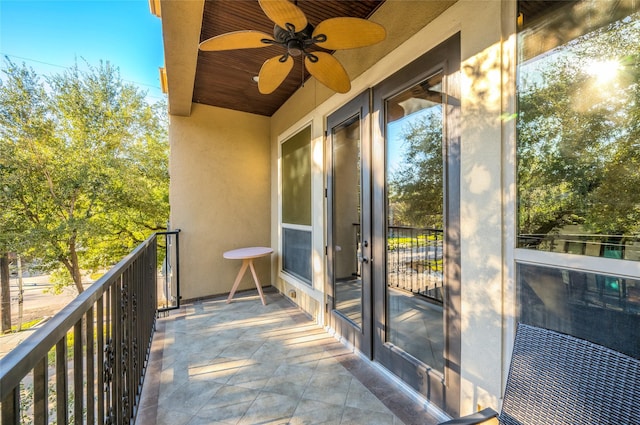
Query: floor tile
(316, 412)
(270, 408)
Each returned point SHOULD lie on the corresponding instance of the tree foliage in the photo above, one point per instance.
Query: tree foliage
(83, 165)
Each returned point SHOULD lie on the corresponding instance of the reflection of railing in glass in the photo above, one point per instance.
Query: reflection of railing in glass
(414, 260)
(608, 246)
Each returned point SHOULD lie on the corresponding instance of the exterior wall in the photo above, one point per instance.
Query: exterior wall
(484, 197)
(219, 195)
(486, 250)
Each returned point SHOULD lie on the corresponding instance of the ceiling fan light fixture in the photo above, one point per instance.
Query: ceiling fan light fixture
(295, 47)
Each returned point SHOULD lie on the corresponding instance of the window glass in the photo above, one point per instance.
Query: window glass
(296, 253)
(601, 309)
(578, 143)
(296, 179)
(296, 206)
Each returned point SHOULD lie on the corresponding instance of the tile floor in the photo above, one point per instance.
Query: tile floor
(244, 363)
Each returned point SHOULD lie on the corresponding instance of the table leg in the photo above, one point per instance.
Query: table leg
(245, 264)
(255, 279)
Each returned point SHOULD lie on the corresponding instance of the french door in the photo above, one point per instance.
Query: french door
(393, 224)
(416, 225)
(349, 223)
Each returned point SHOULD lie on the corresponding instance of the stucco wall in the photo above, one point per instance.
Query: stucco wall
(486, 191)
(219, 195)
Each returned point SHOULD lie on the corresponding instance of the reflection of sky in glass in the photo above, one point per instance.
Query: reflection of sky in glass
(603, 69)
(396, 131)
(605, 77)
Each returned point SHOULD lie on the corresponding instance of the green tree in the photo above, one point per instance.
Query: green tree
(84, 166)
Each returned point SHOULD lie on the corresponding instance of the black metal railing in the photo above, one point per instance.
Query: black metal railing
(169, 271)
(414, 260)
(87, 364)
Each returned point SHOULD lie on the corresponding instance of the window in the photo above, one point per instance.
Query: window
(296, 205)
(578, 169)
(578, 148)
(599, 308)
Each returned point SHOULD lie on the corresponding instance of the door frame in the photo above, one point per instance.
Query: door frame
(360, 338)
(442, 390)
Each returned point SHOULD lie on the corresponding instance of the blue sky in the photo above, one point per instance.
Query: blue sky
(50, 35)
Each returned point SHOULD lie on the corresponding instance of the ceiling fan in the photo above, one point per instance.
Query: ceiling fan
(296, 35)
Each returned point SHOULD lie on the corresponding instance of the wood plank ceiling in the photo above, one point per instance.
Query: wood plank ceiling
(224, 79)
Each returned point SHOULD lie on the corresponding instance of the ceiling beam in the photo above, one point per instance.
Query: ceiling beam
(181, 25)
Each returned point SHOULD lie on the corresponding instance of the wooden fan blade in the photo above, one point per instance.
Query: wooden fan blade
(235, 40)
(273, 73)
(349, 33)
(329, 72)
(283, 12)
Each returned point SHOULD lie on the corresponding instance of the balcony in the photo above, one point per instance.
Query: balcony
(145, 362)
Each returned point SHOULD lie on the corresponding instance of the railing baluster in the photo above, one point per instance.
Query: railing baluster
(78, 372)
(130, 340)
(100, 346)
(40, 392)
(62, 384)
(116, 325)
(11, 407)
(90, 384)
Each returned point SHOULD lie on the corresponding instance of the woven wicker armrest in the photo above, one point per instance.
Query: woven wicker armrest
(486, 416)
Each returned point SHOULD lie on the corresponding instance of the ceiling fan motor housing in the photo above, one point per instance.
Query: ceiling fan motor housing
(295, 42)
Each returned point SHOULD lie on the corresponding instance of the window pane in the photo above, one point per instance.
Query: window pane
(578, 164)
(598, 308)
(296, 179)
(296, 253)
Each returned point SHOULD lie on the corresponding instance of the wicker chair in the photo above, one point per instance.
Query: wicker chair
(559, 379)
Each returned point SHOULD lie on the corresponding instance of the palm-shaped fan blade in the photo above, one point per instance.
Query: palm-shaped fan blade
(273, 73)
(283, 12)
(236, 40)
(349, 33)
(329, 72)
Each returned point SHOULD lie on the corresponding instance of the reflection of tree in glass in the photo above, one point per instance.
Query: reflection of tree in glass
(579, 135)
(415, 187)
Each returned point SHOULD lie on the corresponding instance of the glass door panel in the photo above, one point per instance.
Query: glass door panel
(415, 224)
(414, 181)
(347, 276)
(349, 223)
